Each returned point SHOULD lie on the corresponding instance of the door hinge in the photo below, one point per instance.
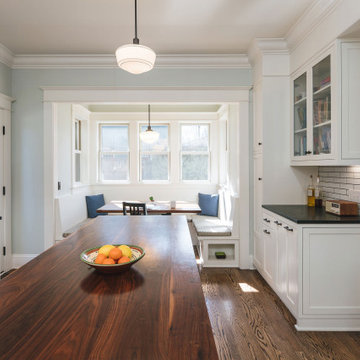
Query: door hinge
(3, 130)
(4, 191)
(4, 250)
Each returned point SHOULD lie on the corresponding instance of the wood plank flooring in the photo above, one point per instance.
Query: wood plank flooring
(256, 325)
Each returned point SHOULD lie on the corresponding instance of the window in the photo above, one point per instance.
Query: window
(154, 158)
(195, 155)
(77, 151)
(114, 152)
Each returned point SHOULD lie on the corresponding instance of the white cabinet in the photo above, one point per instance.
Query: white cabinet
(270, 254)
(325, 108)
(314, 269)
(5, 183)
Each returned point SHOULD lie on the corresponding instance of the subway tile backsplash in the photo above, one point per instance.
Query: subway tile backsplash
(340, 182)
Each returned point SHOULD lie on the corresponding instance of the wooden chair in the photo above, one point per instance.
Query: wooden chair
(134, 208)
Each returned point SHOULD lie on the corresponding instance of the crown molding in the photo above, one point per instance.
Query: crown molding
(266, 46)
(310, 19)
(208, 61)
(6, 56)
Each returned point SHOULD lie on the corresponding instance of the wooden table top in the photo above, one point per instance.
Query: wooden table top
(57, 307)
(158, 207)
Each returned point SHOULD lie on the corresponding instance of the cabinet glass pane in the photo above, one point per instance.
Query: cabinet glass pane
(322, 107)
(300, 121)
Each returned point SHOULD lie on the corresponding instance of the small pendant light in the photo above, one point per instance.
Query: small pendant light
(149, 136)
(135, 58)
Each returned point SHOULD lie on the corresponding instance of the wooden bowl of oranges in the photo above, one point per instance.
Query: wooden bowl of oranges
(112, 258)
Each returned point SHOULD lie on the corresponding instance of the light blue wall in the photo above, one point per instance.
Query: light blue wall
(27, 130)
(5, 79)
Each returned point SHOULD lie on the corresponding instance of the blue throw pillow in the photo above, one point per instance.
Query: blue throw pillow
(93, 202)
(209, 204)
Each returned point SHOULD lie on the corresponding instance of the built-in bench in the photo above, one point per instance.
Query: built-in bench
(70, 215)
(219, 233)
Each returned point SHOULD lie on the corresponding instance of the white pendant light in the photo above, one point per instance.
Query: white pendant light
(149, 136)
(135, 58)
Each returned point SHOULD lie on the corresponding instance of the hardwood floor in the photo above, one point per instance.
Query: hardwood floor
(256, 325)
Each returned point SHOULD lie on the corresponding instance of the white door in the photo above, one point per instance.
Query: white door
(2, 203)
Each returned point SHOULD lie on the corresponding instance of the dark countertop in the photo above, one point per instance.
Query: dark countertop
(302, 214)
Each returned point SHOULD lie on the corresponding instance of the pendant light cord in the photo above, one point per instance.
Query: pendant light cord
(136, 40)
(149, 127)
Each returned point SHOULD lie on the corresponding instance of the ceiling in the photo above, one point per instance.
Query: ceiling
(167, 26)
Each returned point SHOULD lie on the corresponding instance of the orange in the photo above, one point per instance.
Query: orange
(100, 258)
(124, 259)
(115, 253)
(108, 261)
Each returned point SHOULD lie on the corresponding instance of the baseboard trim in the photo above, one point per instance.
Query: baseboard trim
(19, 260)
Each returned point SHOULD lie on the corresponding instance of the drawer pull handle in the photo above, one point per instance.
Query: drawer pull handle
(307, 152)
(277, 223)
(267, 232)
(267, 220)
(288, 229)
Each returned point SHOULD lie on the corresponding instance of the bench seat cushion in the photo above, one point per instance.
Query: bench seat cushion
(210, 226)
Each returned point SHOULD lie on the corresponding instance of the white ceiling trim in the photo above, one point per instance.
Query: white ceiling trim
(6, 56)
(210, 61)
(310, 19)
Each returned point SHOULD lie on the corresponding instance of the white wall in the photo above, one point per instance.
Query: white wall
(28, 129)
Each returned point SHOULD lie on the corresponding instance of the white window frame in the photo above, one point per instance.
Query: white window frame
(168, 153)
(100, 152)
(208, 153)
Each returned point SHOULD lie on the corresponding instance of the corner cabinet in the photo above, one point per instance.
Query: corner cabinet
(325, 105)
(313, 269)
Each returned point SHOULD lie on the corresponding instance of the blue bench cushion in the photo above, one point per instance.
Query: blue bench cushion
(93, 202)
(209, 204)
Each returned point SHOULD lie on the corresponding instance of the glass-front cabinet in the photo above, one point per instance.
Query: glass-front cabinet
(312, 128)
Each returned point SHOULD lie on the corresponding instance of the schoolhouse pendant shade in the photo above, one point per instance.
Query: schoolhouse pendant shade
(149, 136)
(135, 59)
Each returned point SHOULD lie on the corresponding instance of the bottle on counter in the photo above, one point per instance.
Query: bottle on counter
(311, 193)
(318, 200)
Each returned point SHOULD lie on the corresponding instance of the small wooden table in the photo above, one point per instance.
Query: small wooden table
(57, 307)
(157, 207)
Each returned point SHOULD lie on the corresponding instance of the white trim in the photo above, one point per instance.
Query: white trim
(108, 61)
(6, 56)
(5, 102)
(19, 260)
(238, 95)
(311, 18)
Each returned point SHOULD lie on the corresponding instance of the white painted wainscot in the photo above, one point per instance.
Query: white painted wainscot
(314, 269)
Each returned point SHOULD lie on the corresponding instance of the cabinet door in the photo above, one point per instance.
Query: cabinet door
(270, 254)
(331, 271)
(2, 207)
(282, 273)
(350, 87)
(292, 265)
(300, 123)
(258, 194)
(258, 116)
(321, 108)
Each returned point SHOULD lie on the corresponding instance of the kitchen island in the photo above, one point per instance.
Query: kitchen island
(56, 307)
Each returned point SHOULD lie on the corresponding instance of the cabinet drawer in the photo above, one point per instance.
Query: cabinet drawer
(268, 220)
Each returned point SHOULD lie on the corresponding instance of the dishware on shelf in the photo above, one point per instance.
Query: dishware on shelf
(88, 256)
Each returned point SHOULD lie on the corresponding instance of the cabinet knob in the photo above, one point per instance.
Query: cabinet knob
(307, 152)
(259, 179)
(260, 143)
(267, 232)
